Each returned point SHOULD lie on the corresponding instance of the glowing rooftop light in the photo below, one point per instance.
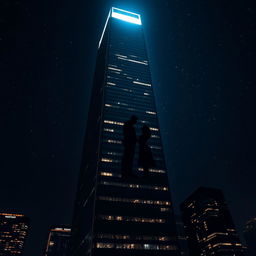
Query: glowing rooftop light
(121, 15)
(126, 16)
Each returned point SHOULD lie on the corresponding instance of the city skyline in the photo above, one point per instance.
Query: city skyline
(201, 55)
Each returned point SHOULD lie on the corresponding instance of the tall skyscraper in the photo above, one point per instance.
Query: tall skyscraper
(58, 241)
(116, 215)
(13, 232)
(209, 226)
(250, 236)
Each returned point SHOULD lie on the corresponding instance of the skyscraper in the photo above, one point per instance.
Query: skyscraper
(209, 226)
(250, 236)
(116, 215)
(58, 241)
(13, 232)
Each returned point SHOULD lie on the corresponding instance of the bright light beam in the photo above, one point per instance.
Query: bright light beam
(126, 16)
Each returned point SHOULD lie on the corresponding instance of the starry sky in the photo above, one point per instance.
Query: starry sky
(202, 56)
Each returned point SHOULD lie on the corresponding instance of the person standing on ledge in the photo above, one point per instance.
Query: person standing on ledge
(129, 143)
(146, 159)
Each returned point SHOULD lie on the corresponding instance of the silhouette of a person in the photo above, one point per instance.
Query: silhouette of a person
(129, 143)
(146, 159)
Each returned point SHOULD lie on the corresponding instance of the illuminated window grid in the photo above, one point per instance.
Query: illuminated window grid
(119, 132)
(131, 219)
(134, 200)
(122, 123)
(132, 246)
(135, 186)
(128, 83)
(113, 174)
(115, 84)
(133, 237)
(134, 110)
(137, 100)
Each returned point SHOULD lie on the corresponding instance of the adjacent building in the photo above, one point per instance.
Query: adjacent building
(58, 241)
(13, 233)
(209, 226)
(115, 215)
(250, 236)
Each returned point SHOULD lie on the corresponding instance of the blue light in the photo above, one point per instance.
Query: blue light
(126, 16)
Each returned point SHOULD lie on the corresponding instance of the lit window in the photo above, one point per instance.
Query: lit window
(109, 83)
(152, 170)
(109, 130)
(119, 55)
(115, 69)
(134, 201)
(107, 160)
(113, 122)
(137, 186)
(151, 112)
(155, 147)
(110, 174)
(135, 61)
(131, 219)
(114, 141)
(131, 237)
(145, 84)
(136, 246)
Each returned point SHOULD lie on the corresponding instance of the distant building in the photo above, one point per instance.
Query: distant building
(209, 225)
(250, 236)
(58, 241)
(13, 232)
(182, 240)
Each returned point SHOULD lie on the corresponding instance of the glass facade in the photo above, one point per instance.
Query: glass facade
(113, 215)
(13, 233)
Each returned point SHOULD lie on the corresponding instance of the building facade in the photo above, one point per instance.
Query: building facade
(13, 233)
(58, 241)
(113, 215)
(182, 239)
(250, 236)
(209, 226)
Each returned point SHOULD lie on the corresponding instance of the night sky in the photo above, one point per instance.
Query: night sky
(202, 56)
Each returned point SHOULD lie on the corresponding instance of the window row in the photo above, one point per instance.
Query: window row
(134, 201)
(130, 219)
(136, 246)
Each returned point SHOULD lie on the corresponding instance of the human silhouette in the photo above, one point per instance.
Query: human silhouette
(129, 143)
(146, 159)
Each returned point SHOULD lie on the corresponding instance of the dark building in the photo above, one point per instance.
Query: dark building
(13, 232)
(250, 236)
(182, 239)
(116, 215)
(58, 241)
(209, 226)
